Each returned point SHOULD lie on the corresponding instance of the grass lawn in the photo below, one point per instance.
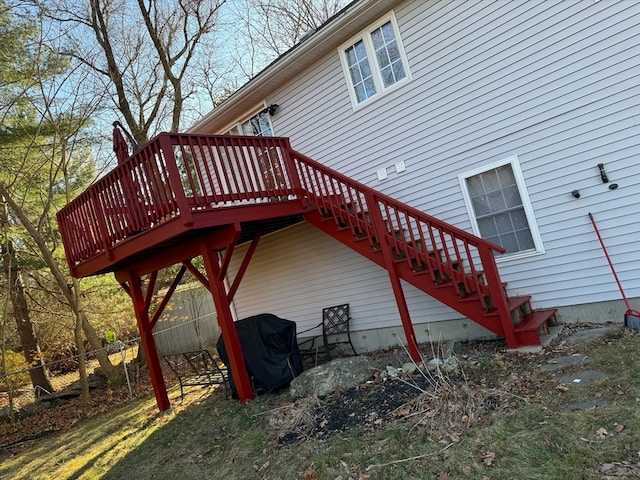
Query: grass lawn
(502, 418)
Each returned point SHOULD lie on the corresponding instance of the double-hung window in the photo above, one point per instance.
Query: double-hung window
(499, 207)
(374, 61)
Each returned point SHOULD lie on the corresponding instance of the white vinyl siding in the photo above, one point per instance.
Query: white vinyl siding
(553, 81)
(374, 61)
(298, 271)
(562, 93)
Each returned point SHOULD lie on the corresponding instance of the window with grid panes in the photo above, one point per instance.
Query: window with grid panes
(374, 61)
(258, 125)
(499, 205)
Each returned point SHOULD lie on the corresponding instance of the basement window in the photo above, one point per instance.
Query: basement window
(374, 61)
(499, 207)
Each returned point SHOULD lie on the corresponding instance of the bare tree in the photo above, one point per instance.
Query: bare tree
(265, 29)
(149, 54)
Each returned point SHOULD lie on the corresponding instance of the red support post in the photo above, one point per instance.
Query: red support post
(498, 295)
(225, 320)
(134, 289)
(381, 233)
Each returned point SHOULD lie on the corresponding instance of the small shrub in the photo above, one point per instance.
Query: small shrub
(13, 362)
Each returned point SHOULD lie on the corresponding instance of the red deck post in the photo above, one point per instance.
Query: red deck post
(148, 344)
(381, 233)
(498, 295)
(225, 320)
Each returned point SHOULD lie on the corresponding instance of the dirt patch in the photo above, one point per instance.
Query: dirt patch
(368, 406)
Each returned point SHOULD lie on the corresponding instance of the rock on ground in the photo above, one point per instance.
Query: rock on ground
(324, 379)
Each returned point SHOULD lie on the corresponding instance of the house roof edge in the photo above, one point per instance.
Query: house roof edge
(339, 28)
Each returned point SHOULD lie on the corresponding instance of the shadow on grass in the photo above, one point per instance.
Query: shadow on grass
(212, 438)
(90, 448)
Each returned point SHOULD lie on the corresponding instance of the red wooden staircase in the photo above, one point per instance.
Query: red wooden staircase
(449, 264)
(181, 186)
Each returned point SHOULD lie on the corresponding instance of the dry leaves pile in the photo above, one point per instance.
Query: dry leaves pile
(446, 405)
(62, 415)
(294, 419)
(450, 409)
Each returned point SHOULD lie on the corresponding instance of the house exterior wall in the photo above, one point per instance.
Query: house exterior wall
(554, 83)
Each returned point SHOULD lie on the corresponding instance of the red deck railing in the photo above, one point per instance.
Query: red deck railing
(176, 175)
(171, 177)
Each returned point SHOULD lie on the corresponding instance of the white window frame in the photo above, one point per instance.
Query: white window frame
(365, 36)
(239, 124)
(526, 204)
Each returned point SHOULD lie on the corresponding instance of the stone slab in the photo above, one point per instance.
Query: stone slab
(560, 363)
(587, 405)
(591, 333)
(583, 378)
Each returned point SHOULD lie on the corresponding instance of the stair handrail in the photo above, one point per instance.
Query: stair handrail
(492, 295)
(473, 239)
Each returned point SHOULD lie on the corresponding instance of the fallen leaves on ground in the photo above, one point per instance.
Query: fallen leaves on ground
(64, 415)
(488, 458)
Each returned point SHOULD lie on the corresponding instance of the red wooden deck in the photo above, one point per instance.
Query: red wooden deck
(176, 187)
(183, 196)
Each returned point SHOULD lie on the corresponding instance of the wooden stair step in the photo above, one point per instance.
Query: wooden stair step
(359, 236)
(517, 302)
(513, 303)
(535, 319)
(470, 297)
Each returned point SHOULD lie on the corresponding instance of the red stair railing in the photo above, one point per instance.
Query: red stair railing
(449, 255)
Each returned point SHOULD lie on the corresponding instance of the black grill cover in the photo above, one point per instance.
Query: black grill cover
(270, 350)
